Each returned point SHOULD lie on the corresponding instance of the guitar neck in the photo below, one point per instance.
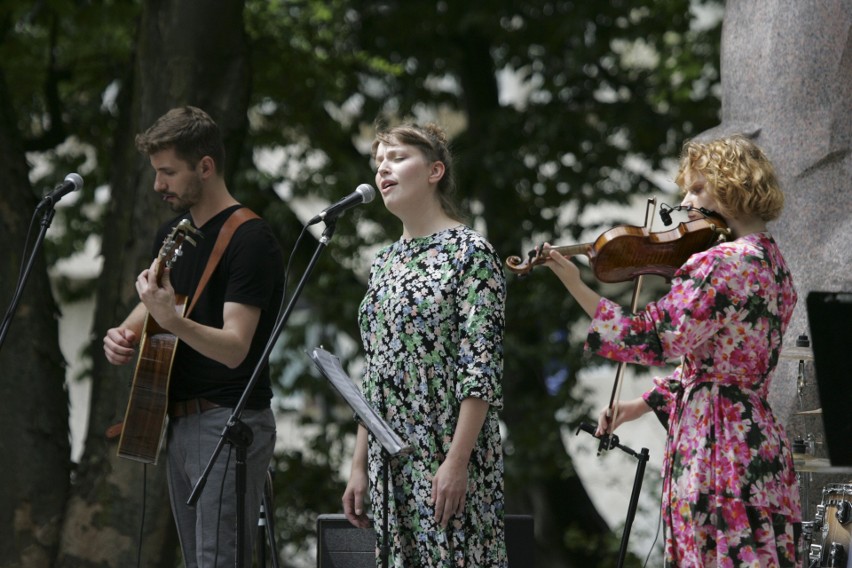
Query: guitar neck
(159, 271)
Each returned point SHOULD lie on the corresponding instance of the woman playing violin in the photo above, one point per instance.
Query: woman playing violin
(730, 494)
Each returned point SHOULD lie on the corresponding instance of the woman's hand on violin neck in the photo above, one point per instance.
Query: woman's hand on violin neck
(569, 274)
(567, 271)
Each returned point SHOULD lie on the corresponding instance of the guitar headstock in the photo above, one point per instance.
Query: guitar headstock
(173, 245)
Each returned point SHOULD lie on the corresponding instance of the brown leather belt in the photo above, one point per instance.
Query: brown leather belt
(180, 408)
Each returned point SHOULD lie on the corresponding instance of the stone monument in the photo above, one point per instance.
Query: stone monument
(786, 74)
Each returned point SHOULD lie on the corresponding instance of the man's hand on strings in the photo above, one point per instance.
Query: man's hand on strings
(120, 342)
(120, 345)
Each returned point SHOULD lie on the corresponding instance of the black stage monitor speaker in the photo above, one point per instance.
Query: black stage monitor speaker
(830, 322)
(340, 545)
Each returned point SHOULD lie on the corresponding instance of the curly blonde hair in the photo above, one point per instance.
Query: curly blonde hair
(739, 176)
(432, 141)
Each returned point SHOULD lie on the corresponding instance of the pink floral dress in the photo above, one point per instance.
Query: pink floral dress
(730, 494)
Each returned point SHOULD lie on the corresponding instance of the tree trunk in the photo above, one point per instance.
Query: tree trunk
(557, 501)
(184, 56)
(34, 422)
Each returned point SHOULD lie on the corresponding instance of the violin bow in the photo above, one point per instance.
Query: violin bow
(607, 440)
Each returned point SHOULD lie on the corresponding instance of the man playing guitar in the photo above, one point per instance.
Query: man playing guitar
(218, 344)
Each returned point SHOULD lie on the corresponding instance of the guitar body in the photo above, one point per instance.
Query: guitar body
(147, 409)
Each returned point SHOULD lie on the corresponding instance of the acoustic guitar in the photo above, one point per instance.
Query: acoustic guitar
(147, 409)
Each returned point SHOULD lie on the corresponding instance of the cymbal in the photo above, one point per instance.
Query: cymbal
(798, 353)
(808, 412)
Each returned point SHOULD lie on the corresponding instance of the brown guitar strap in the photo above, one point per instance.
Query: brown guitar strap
(236, 219)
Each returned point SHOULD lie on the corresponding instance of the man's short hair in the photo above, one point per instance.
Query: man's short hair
(190, 132)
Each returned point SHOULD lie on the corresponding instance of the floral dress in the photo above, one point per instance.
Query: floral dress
(432, 328)
(730, 494)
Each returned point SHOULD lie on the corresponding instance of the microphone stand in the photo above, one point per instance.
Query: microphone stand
(385, 552)
(609, 441)
(46, 220)
(236, 432)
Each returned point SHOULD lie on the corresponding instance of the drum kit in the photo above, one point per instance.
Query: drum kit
(827, 539)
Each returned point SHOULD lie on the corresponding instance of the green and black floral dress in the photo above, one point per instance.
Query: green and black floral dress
(432, 328)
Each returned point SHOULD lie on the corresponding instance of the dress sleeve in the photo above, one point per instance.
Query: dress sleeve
(706, 292)
(661, 397)
(481, 298)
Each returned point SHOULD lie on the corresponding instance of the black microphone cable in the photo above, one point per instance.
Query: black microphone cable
(656, 533)
(666, 212)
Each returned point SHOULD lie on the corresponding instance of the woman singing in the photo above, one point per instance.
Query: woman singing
(432, 328)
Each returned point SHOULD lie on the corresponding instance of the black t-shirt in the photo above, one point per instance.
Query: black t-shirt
(250, 272)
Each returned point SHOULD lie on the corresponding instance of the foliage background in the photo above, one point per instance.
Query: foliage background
(555, 108)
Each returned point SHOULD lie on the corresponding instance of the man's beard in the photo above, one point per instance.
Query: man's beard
(191, 196)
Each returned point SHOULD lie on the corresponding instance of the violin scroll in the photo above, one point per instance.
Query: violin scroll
(522, 267)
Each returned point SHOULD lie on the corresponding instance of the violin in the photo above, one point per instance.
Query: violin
(624, 252)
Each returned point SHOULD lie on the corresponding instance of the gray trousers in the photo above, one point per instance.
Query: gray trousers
(207, 531)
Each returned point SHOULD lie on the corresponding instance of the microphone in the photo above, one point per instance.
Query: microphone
(72, 182)
(666, 212)
(364, 193)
